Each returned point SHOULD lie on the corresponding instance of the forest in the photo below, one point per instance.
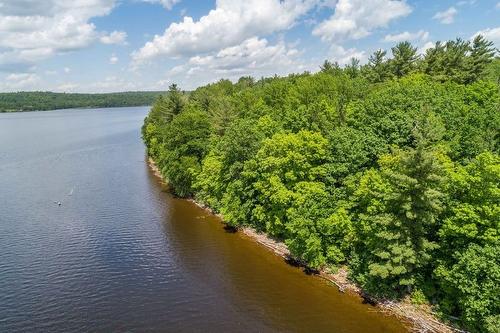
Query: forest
(390, 169)
(39, 101)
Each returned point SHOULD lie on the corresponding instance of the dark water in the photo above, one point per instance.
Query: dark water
(121, 255)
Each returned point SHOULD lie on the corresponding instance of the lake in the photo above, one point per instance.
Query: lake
(120, 254)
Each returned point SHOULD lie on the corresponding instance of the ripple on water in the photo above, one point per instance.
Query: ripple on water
(120, 255)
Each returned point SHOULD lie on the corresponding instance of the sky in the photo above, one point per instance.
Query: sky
(124, 45)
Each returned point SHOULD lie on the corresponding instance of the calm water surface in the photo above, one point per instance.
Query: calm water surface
(122, 255)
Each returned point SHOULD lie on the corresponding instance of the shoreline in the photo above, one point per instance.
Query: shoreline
(417, 318)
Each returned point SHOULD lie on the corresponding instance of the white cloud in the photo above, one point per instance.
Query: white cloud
(498, 5)
(116, 37)
(466, 2)
(420, 35)
(113, 59)
(168, 4)
(230, 23)
(21, 80)
(13, 60)
(67, 87)
(355, 19)
(32, 30)
(447, 16)
(254, 57)
(491, 34)
(425, 47)
(66, 70)
(113, 83)
(343, 56)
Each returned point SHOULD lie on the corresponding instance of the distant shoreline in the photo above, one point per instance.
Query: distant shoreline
(46, 101)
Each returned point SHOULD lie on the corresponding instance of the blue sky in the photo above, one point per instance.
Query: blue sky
(119, 45)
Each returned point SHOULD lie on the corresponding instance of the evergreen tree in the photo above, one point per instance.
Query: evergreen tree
(455, 60)
(433, 62)
(352, 69)
(330, 67)
(378, 69)
(398, 211)
(481, 55)
(175, 100)
(404, 59)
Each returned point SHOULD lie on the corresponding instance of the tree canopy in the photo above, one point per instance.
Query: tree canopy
(390, 168)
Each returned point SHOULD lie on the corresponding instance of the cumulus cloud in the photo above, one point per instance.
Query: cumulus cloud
(67, 87)
(356, 19)
(422, 50)
(254, 57)
(113, 83)
(22, 60)
(31, 30)
(420, 35)
(168, 4)
(343, 56)
(21, 81)
(447, 16)
(116, 37)
(491, 34)
(230, 23)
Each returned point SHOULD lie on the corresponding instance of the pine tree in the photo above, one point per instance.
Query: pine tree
(404, 59)
(330, 67)
(398, 210)
(352, 69)
(455, 60)
(434, 61)
(482, 54)
(175, 99)
(378, 69)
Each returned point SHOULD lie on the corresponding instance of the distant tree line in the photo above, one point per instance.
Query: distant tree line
(39, 100)
(391, 169)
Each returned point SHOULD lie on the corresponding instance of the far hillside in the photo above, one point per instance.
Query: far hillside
(41, 100)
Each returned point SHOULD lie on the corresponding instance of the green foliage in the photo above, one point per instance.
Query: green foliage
(473, 214)
(481, 55)
(472, 287)
(317, 233)
(184, 143)
(404, 59)
(391, 168)
(418, 297)
(282, 163)
(378, 69)
(397, 208)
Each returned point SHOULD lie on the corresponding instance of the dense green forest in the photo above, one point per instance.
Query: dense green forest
(32, 101)
(391, 169)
